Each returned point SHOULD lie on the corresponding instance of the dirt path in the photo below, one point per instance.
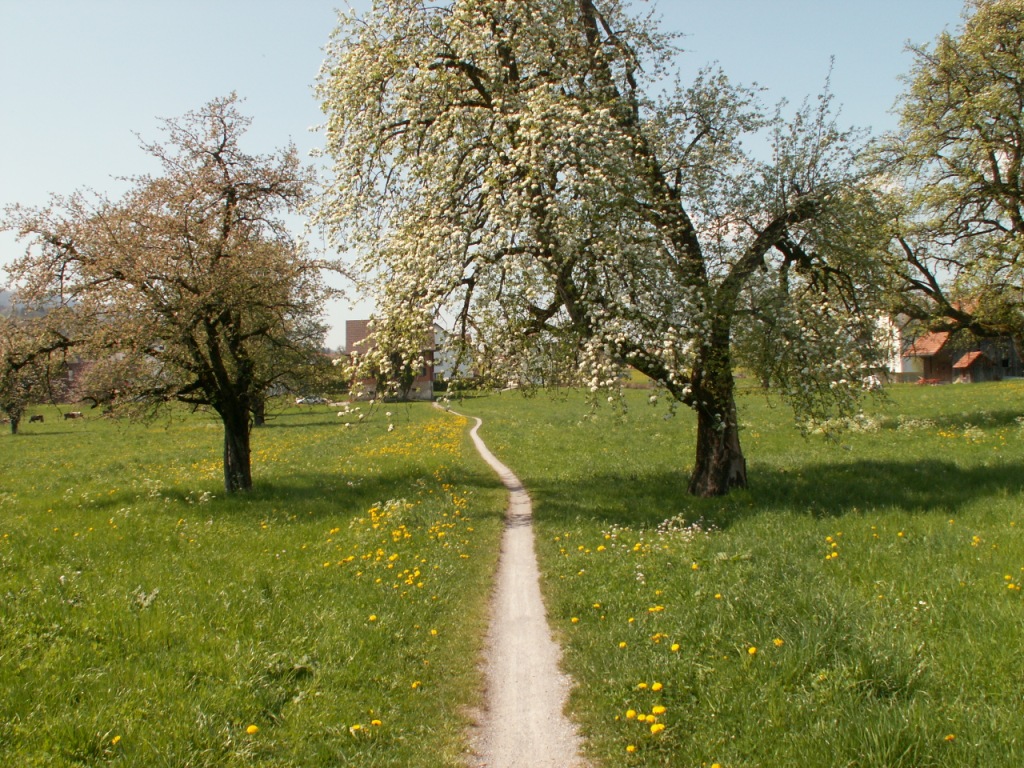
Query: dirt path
(523, 724)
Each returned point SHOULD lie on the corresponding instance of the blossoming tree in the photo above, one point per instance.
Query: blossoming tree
(511, 166)
(190, 286)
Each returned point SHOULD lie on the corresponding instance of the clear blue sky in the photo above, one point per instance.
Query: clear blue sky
(78, 78)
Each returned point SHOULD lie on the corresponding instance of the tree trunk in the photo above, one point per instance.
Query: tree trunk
(15, 421)
(719, 465)
(237, 458)
(259, 411)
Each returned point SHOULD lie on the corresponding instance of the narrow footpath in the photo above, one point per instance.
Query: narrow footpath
(523, 724)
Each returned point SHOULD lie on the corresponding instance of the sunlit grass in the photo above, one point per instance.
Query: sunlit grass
(859, 605)
(322, 620)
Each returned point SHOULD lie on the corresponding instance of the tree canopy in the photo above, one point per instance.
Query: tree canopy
(956, 165)
(31, 357)
(190, 286)
(517, 168)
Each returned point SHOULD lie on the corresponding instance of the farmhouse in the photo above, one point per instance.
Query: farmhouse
(359, 339)
(942, 357)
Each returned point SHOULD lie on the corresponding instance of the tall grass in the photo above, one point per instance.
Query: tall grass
(859, 605)
(322, 620)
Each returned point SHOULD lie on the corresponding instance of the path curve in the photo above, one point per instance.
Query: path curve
(523, 724)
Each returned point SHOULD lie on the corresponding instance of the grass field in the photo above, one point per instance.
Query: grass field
(322, 620)
(860, 605)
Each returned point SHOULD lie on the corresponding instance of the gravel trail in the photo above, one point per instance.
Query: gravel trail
(523, 724)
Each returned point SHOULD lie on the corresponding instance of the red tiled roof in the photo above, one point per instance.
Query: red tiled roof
(969, 359)
(928, 345)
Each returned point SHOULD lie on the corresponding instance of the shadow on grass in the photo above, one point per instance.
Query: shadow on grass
(820, 490)
(307, 495)
(983, 419)
(292, 420)
(32, 433)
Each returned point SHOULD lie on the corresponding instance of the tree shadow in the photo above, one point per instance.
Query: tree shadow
(327, 420)
(299, 419)
(983, 419)
(308, 495)
(820, 490)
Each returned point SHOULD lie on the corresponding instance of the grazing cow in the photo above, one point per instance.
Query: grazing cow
(73, 415)
(37, 417)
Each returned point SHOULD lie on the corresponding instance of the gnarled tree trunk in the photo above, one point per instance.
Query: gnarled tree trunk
(719, 466)
(259, 410)
(237, 454)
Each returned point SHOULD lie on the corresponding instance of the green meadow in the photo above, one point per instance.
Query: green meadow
(859, 605)
(322, 620)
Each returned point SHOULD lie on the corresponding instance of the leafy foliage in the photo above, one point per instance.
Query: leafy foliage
(28, 364)
(958, 159)
(189, 287)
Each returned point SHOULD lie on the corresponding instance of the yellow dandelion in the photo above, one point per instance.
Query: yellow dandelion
(657, 687)
(752, 650)
(630, 714)
(575, 620)
(658, 710)
(252, 729)
(674, 648)
(416, 684)
(376, 723)
(778, 642)
(657, 728)
(641, 686)
(622, 644)
(373, 617)
(631, 748)
(115, 741)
